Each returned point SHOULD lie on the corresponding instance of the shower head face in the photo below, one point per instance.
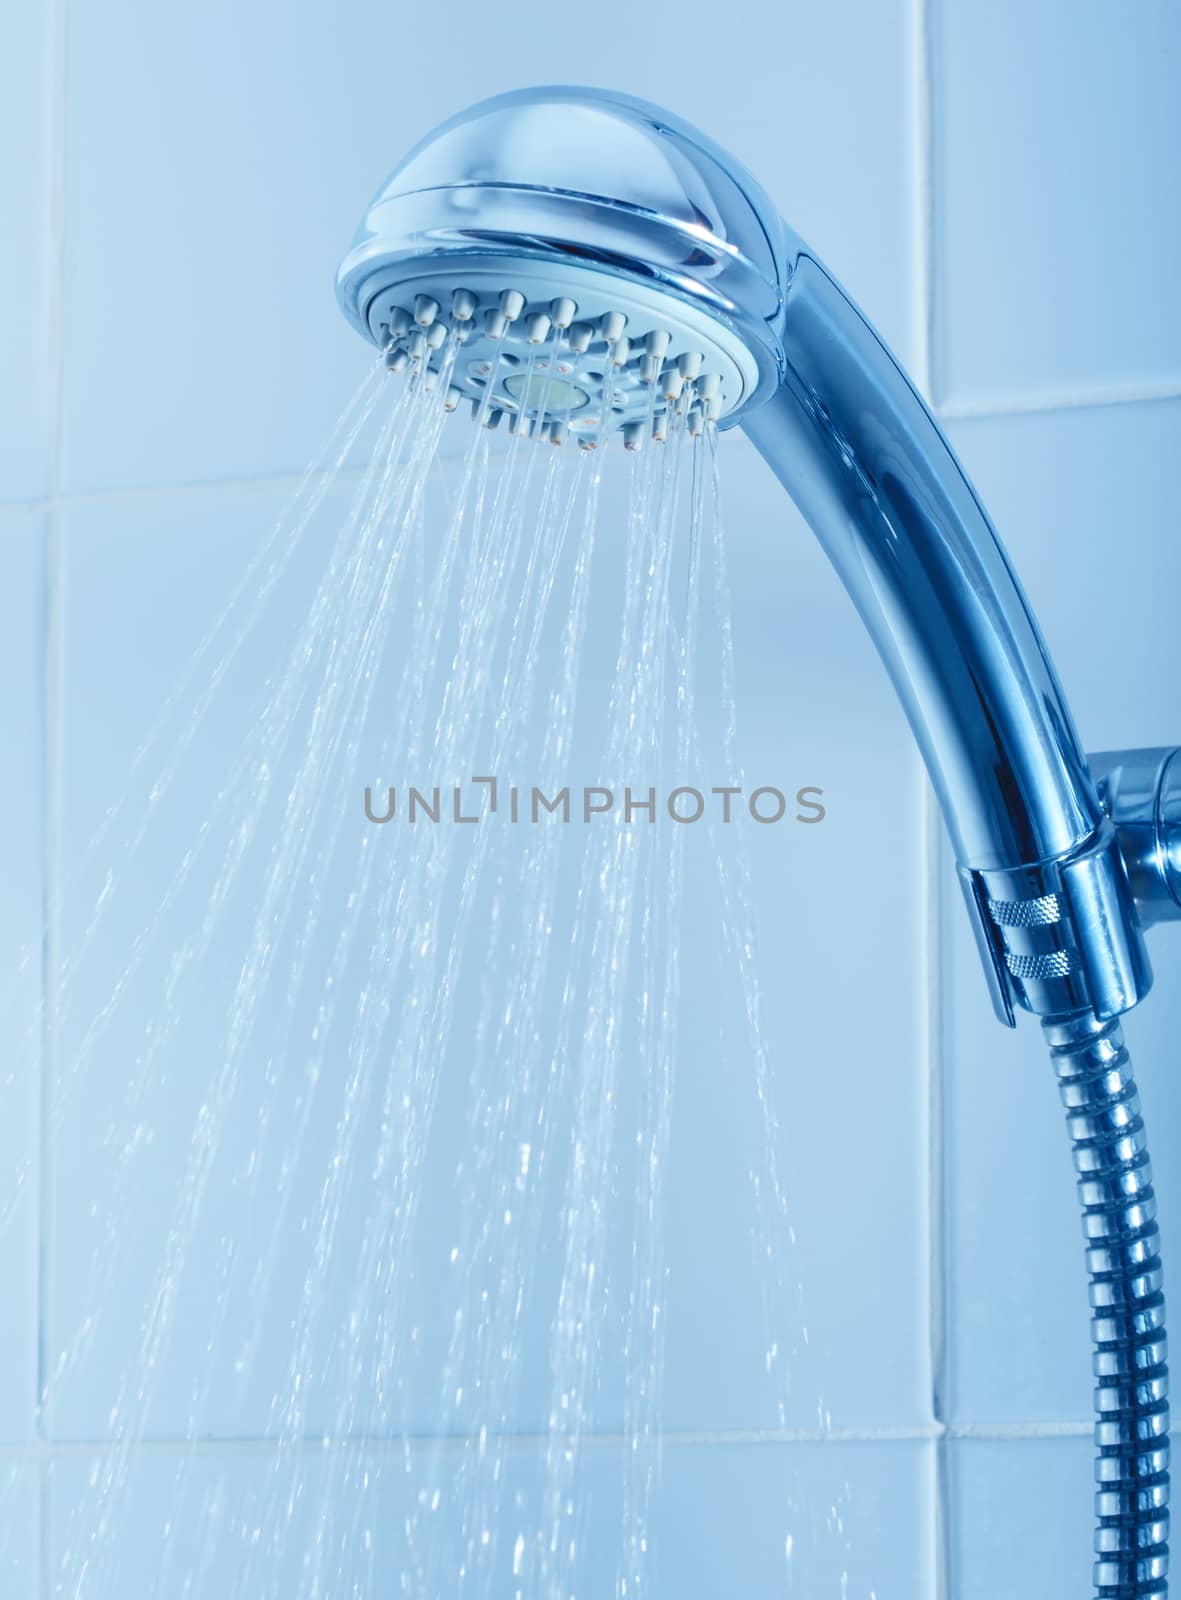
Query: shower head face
(579, 259)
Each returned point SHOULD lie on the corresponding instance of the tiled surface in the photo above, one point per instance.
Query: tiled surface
(1094, 480)
(1056, 245)
(144, 581)
(1084, 503)
(208, 207)
(22, 538)
(1021, 1517)
(26, 117)
(208, 193)
(817, 716)
(144, 577)
(720, 1523)
(20, 1528)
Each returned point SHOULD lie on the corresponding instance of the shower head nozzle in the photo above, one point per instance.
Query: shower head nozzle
(579, 258)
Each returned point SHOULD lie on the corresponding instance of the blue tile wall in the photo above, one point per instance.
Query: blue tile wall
(1021, 1513)
(1056, 246)
(22, 761)
(994, 185)
(721, 1521)
(20, 1527)
(28, 106)
(142, 579)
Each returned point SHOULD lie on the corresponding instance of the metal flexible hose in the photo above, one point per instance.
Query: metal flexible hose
(1127, 1306)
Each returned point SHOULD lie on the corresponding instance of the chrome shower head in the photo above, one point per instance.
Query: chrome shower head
(591, 264)
(581, 259)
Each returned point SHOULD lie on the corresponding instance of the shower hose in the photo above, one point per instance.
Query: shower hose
(1127, 1306)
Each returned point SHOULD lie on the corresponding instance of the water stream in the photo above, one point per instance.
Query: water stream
(408, 1222)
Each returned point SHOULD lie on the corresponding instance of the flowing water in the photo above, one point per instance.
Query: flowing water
(404, 1305)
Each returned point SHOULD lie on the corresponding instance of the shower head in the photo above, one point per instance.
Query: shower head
(592, 265)
(583, 260)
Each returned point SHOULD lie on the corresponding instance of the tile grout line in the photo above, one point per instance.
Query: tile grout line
(1100, 398)
(317, 1445)
(945, 411)
(51, 733)
(708, 1438)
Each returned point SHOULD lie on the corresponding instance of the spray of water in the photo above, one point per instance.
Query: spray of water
(495, 600)
(335, 642)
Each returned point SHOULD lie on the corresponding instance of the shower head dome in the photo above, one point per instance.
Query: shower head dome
(597, 260)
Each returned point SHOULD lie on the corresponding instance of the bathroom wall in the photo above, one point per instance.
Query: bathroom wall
(995, 184)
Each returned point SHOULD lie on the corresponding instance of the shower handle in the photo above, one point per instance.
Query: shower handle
(1039, 857)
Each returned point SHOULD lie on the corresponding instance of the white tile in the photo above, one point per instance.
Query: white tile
(1056, 245)
(209, 206)
(22, 605)
(721, 1518)
(144, 580)
(1083, 501)
(26, 100)
(1021, 1520)
(1084, 504)
(144, 576)
(841, 972)
(20, 1519)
